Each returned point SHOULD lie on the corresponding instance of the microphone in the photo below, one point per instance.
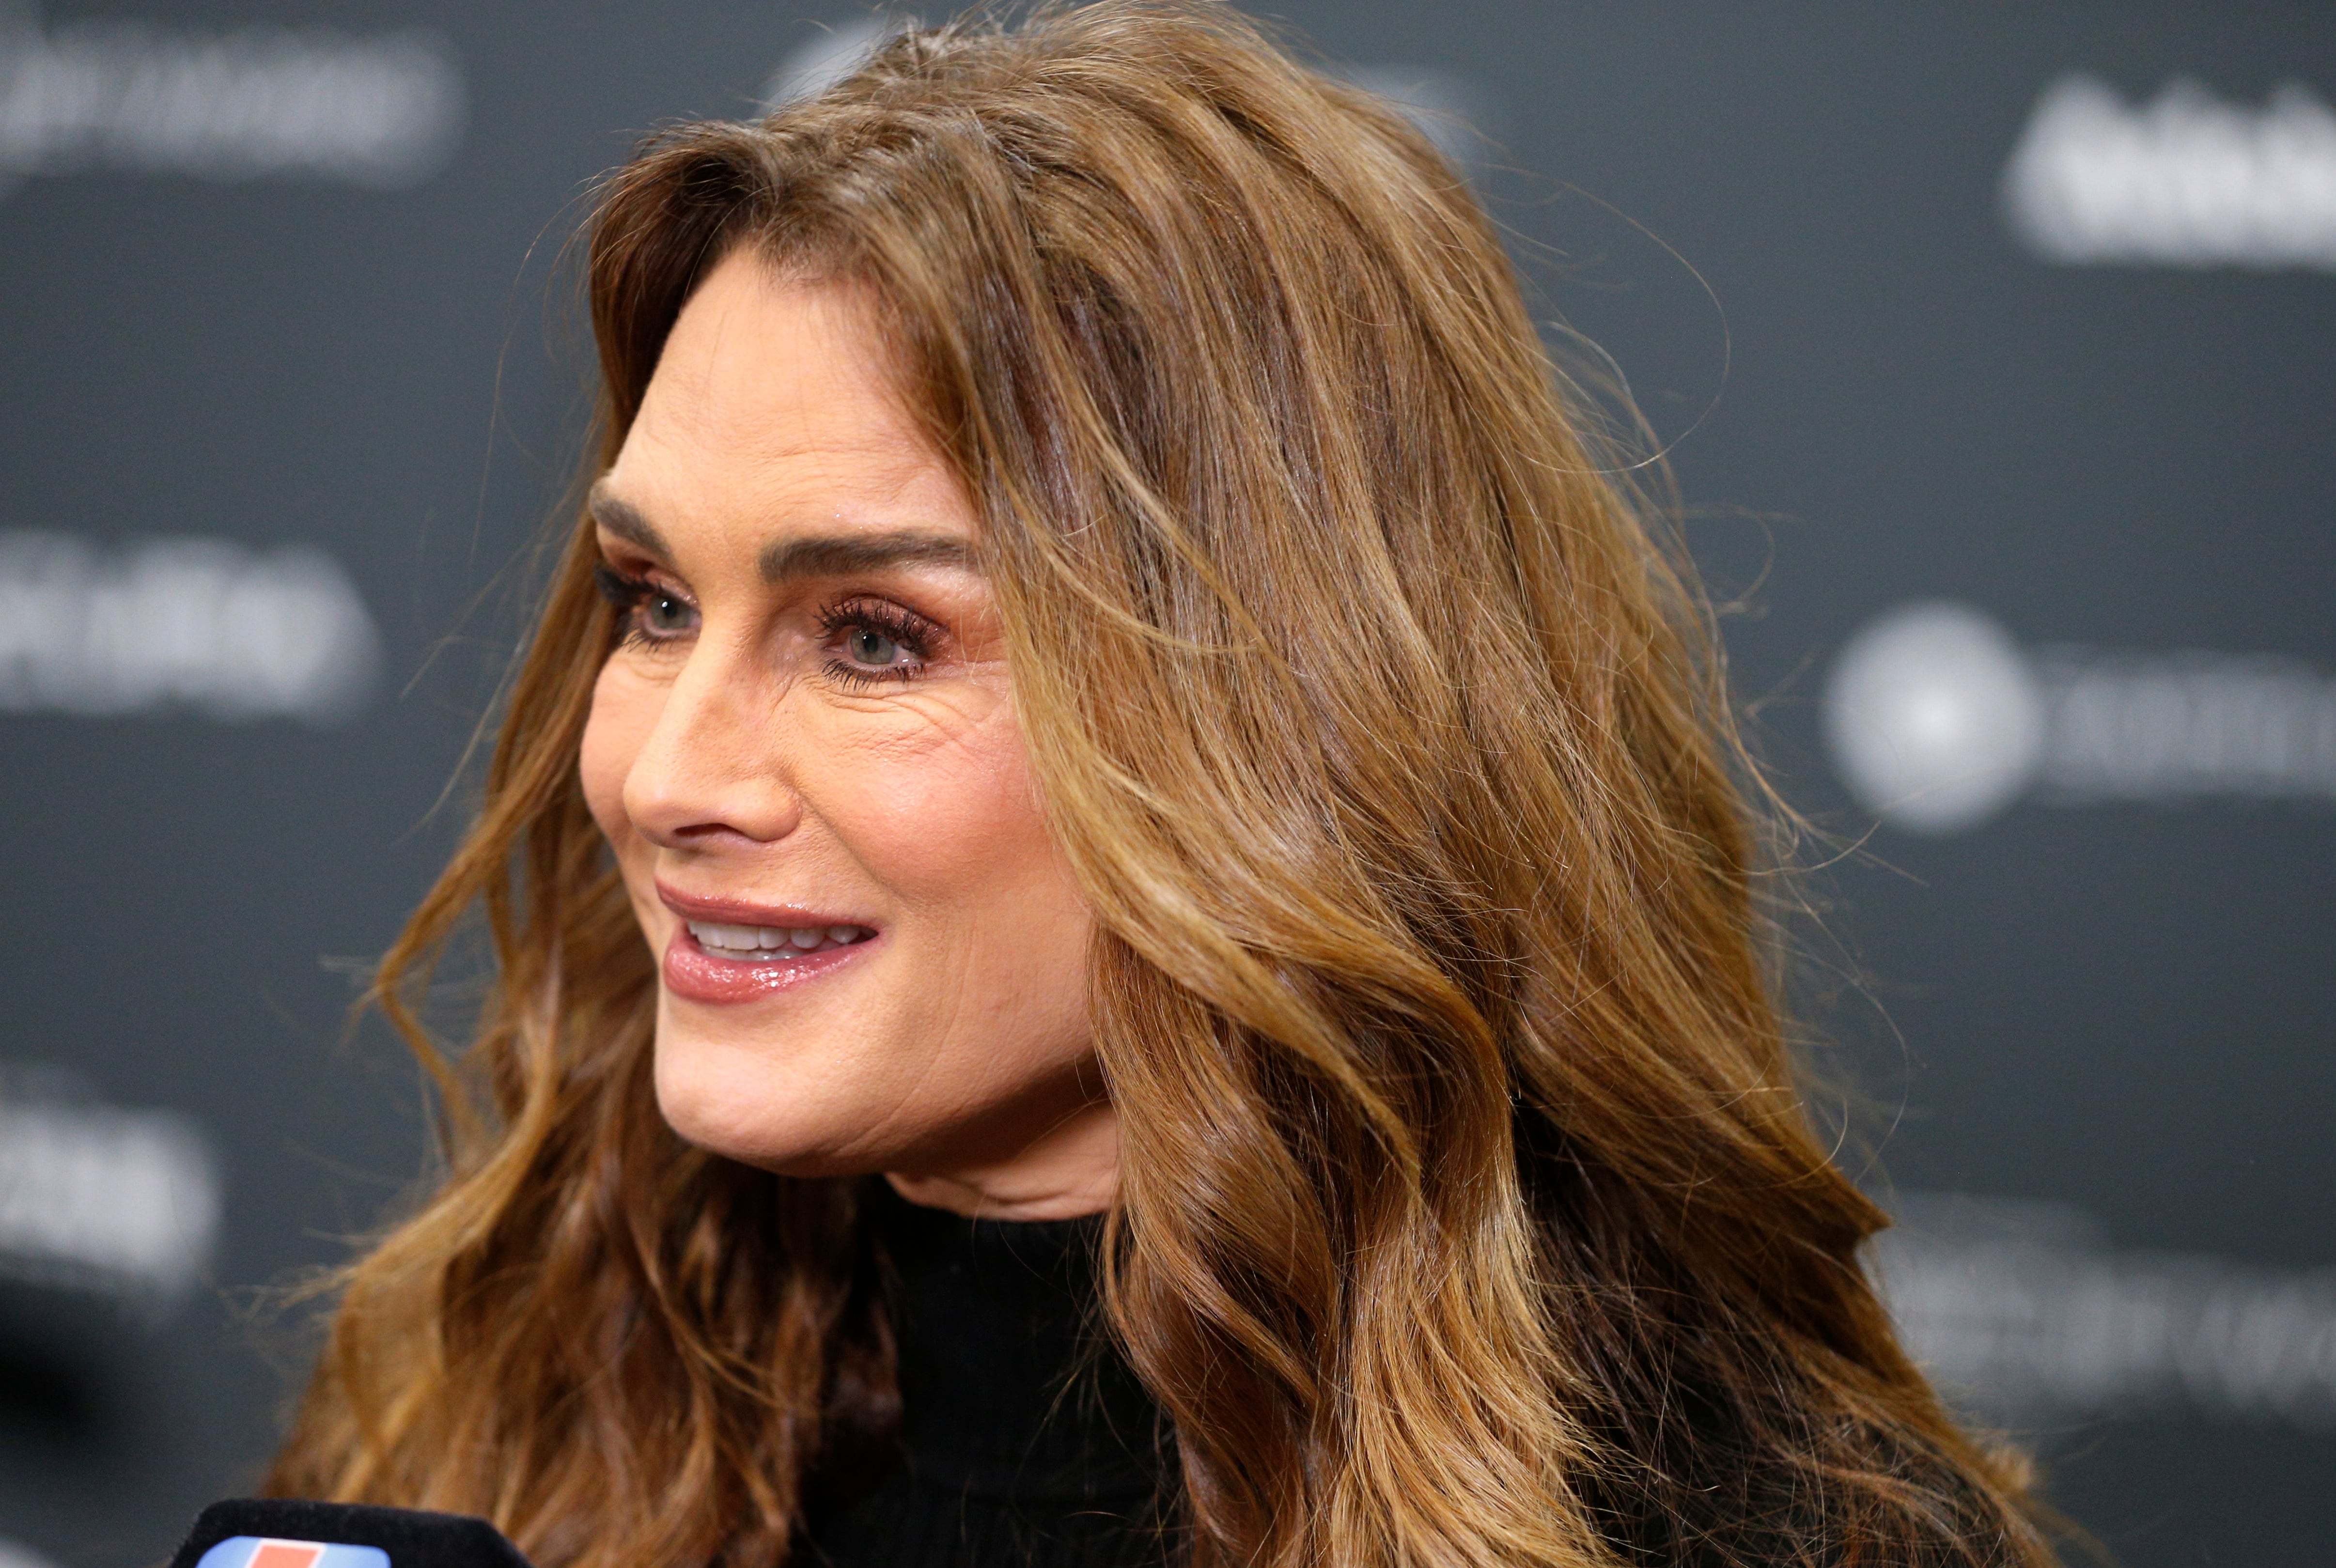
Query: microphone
(282, 1533)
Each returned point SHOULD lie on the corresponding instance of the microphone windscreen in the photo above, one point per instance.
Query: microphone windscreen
(283, 1533)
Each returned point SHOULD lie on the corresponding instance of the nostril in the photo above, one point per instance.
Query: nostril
(705, 813)
(717, 834)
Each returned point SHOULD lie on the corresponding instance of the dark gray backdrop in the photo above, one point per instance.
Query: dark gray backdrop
(2100, 1002)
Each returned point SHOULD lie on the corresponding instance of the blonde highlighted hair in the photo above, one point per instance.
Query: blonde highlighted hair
(1468, 1213)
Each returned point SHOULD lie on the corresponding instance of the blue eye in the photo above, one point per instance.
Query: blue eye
(874, 641)
(645, 613)
(662, 615)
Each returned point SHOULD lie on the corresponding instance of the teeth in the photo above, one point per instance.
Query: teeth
(761, 942)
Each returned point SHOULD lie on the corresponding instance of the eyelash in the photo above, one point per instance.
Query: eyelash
(913, 633)
(627, 594)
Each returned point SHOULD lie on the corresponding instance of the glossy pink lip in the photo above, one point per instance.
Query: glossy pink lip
(697, 975)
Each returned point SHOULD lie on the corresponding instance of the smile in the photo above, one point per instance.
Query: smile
(717, 962)
(771, 944)
(726, 949)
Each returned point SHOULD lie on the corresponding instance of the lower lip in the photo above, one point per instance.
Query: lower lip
(691, 972)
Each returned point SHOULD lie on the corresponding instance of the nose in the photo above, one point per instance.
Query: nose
(709, 769)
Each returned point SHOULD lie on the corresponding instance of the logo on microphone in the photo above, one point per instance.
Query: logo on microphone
(261, 1552)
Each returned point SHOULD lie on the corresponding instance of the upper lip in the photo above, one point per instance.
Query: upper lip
(743, 913)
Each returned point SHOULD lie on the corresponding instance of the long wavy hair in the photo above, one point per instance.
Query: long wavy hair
(1467, 1213)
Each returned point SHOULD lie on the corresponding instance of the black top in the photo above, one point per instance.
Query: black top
(1024, 1437)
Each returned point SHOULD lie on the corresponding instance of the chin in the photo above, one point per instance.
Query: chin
(743, 1105)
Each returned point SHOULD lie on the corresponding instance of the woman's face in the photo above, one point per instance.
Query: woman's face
(805, 754)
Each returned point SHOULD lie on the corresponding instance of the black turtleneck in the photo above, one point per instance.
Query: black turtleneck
(1025, 1436)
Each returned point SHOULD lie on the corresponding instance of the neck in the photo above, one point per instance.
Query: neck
(1070, 1169)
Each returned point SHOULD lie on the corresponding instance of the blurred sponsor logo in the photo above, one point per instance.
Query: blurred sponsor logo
(1444, 107)
(1934, 717)
(384, 111)
(160, 623)
(92, 1196)
(2187, 181)
(1937, 720)
(826, 58)
(1449, 111)
(2020, 1313)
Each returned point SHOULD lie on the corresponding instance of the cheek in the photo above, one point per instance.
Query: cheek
(624, 711)
(948, 819)
(949, 823)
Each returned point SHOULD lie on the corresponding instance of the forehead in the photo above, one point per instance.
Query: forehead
(778, 394)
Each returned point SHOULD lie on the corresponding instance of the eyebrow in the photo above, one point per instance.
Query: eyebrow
(840, 555)
(785, 559)
(624, 519)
